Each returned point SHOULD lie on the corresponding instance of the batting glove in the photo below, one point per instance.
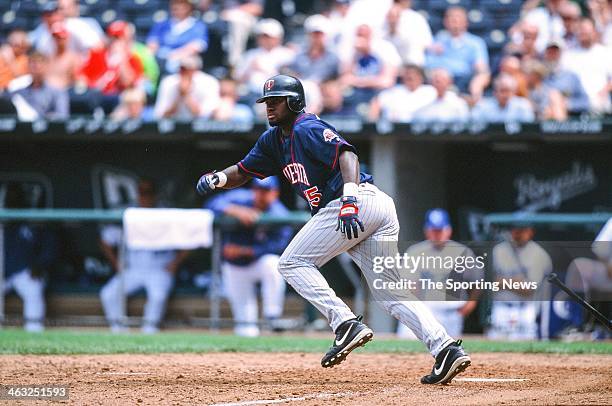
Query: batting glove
(207, 183)
(348, 219)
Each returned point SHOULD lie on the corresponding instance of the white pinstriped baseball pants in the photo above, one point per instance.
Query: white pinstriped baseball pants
(318, 242)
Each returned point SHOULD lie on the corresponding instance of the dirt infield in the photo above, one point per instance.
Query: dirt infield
(364, 379)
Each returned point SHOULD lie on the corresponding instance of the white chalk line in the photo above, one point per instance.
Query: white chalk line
(291, 399)
(123, 373)
(491, 379)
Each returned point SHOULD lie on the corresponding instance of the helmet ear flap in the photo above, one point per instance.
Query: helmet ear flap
(295, 104)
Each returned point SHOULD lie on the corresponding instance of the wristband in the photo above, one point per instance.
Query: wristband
(222, 179)
(350, 189)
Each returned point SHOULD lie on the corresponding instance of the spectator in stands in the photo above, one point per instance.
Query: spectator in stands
(126, 32)
(82, 37)
(408, 31)
(188, 94)
(13, 57)
(399, 103)
(592, 62)
(565, 81)
(514, 311)
(179, 36)
(64, 64)
(229, 109)
(28, 251)
(448, 107)
(316, 63)
(112, 69)
(333, 100)
(72, 9)
(38, 100)
(505, 106)
(133, 106)
(372, 67)
(525, 47)
(251, 253)
(570, 14)
(512, 66)
(463, 54)
(241, 17)
(337, 16)
(601, 13)
(548, 103)
(266, 60)
(152, 270)
(549, 21)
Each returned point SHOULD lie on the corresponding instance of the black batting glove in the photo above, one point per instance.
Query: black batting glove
(207, 183)
(348, 219)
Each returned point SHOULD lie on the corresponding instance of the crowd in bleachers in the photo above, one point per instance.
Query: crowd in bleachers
(395, 60)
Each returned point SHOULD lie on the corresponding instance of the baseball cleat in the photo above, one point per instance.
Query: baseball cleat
(349, 335)
(451, 361)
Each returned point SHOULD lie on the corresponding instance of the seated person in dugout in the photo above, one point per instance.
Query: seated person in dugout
(525, 263)
(151, 270)
(434, 253)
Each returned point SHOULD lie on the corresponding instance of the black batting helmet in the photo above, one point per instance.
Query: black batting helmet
(285, 85)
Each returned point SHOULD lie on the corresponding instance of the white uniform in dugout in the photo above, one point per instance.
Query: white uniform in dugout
(513, 313)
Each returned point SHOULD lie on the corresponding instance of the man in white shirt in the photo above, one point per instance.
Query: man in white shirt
(188, 94)
(399, 103)
(408, 31)
(592, 62)
(448, 107)
(514, 312)
(549, 21)
(260, 63)
(82, 36)
(372, 67)
(505, 106)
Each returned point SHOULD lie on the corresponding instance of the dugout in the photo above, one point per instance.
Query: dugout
(468, 169)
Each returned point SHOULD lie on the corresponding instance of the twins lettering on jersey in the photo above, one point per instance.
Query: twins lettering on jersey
(296, 173)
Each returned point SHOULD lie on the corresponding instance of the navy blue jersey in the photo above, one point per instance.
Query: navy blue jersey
(307, 158)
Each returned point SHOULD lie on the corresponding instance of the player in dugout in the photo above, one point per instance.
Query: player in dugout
(251, 253)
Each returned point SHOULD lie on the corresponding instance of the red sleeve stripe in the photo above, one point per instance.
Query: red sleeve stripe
(243, 168)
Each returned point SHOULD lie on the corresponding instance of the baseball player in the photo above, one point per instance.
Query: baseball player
(514, 312)
(450, 313)
(251, 253)
(28, 252)
(349, 214)
(152, 270)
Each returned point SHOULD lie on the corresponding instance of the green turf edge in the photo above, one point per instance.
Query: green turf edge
(14, 341)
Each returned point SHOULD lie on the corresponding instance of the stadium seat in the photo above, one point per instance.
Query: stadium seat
(108, 16)
(92, 7)
(11, 20)
(502, 5)
(139, 6)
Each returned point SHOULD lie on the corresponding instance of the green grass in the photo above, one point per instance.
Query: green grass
(14, 341)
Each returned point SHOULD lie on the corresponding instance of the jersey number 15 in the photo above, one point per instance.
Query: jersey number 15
(313, 196)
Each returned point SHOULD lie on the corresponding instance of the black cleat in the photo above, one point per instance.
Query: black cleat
(349, 335)
(451, 361)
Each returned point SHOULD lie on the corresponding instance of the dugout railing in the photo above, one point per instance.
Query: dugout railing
(70, 216)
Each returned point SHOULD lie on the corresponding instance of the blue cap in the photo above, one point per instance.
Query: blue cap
(437, 219)
(271, 182)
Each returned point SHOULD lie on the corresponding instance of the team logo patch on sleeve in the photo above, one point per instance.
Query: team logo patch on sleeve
(329, 135)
